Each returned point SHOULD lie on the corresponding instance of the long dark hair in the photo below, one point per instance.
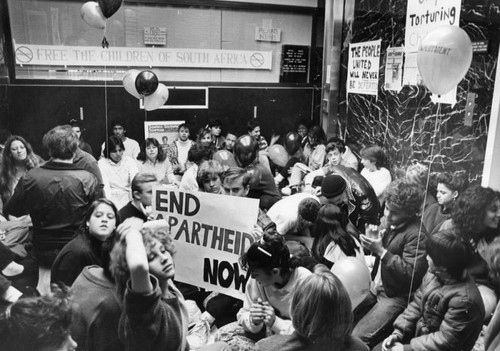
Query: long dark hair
(330, 227)
(162, 155)
(470, 209)
(8, 169)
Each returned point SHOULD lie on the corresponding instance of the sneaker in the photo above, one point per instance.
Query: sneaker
(198, 335)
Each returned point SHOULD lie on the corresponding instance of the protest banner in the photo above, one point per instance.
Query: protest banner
(210, 233)
(363, 67)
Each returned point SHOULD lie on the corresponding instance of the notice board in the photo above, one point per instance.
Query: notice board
(294, 64)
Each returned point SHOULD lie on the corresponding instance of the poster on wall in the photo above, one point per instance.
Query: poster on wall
(294, 64)
(394, 68)
(363, 67)
(210, 233)
(164, 131)
(423, 16)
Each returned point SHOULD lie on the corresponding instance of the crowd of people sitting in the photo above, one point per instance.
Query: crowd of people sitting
(85, 265)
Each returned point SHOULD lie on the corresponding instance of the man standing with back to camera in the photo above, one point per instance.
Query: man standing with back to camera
(56, 196)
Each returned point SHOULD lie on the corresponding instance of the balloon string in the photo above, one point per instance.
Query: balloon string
(106, 111)
(436, 128)
(145, 111)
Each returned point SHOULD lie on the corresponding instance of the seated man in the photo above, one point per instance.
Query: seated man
(399, 266)
(229, 141)
(447, 311)
(294, 215)
(142, 193)
(347, 157)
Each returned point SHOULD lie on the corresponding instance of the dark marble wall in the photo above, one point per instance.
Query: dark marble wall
(405, 122)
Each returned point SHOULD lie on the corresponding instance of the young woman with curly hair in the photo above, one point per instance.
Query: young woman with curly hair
(153, 159)
(476, 216)
(17, 159)
(155, 315)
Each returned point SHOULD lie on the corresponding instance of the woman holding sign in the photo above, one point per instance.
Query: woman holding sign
(155, 315)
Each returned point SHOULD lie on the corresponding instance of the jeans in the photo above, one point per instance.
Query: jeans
(376, 325)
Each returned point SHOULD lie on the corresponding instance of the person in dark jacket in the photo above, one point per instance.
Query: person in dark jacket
(56, 196)
(85, 249)
(400, 262)
(447, 311)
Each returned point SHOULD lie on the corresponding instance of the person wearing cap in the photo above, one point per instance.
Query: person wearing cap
(294, 215)
(337, 191)
(400, 264)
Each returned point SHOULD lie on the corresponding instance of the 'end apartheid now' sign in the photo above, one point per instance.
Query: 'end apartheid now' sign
(47, 55)
(210, 233)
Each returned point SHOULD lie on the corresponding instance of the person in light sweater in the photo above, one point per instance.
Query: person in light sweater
(266, 306)
(374, 169)
(177, 152)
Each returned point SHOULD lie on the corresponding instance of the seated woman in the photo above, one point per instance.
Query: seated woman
(198, 153)
(204, 136)
(476, 217)
(449, 188)
(374, 169)
(16, 160)
(38, 324)
(266, 307)
(321, 316)
(208, 177)
(84, 250)
(117, 171)
(153, 159)
(418, 174)
(315, 154)
(332, 241)
(143, 268)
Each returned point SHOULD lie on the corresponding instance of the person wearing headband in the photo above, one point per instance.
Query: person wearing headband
(266, 306)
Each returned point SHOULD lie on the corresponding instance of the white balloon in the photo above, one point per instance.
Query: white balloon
(157, 99)
(129, 82)
(92, 15)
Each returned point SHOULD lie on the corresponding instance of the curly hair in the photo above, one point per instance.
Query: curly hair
(470, 209)
(162, 155)
(118, 265)
(454, 182)
(405, 195)
(200, 152)
(37, 323)
(8, 169)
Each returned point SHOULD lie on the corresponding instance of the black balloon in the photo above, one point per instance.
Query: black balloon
(366, 201)
(292, 143)
(146, 83)
(246, 150)
(109, 7)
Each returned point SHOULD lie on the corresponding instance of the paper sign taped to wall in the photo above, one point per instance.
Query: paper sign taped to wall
(363, 67)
